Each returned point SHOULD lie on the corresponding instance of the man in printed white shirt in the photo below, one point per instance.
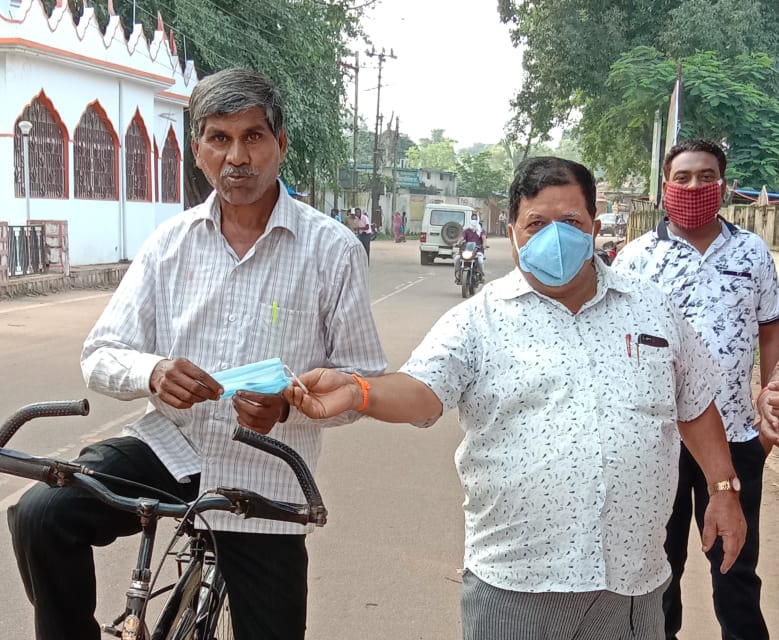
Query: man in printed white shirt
(250, 274)
(569, 479)
(723, 280)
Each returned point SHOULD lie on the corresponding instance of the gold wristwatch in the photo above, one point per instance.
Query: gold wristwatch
(734, 484)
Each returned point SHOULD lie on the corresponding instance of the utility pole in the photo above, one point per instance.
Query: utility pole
(355, 126)
(356, 130)
(395, 166)
(375, 211)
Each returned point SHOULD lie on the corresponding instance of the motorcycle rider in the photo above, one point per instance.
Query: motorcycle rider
(472, 233)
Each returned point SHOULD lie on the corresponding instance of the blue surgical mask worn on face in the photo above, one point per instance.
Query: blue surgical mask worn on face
(555, 254)
(266, 377)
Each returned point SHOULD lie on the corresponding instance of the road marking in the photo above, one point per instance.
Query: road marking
(87, 438)
(51, 304)
(399, 289)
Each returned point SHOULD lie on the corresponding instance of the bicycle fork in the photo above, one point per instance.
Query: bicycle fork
(130, 625)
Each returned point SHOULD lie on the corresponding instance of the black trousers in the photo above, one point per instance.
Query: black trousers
(365, 238)
(54, 529)
(736, 593)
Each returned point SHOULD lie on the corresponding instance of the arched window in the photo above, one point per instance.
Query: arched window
(47, 152)
(95, 154)
(137, 169)
(171, 172)
(156, 172)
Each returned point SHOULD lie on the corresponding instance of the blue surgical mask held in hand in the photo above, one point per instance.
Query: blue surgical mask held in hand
(268, 377)
(555, 254)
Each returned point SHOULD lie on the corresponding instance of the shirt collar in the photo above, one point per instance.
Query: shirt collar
(663, 231)
(514, 284)
(283, 216)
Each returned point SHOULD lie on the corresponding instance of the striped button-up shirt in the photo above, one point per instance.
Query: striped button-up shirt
(301, 293)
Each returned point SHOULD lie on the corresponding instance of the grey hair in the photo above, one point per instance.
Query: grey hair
(233, 91)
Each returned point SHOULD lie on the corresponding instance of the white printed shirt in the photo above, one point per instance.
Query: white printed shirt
(301, 293)
(569, 460)
(725, 294)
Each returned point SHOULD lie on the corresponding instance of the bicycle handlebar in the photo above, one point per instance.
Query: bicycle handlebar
(41, 410)
(251, 505)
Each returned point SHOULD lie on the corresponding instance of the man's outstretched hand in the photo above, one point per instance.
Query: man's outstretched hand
(330, 393)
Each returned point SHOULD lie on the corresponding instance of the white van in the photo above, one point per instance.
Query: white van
(432, 244)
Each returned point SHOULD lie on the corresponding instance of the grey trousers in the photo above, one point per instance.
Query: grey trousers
(490, 613)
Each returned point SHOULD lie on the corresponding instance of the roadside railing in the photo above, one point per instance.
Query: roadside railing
(26, 250)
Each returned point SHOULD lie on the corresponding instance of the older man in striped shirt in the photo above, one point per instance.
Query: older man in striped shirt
(248, 275)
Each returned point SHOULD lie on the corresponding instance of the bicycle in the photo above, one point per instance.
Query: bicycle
(197, 607)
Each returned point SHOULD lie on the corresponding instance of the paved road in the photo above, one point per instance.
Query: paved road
(387, 565)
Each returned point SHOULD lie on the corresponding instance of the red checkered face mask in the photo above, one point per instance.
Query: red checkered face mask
(692, 208)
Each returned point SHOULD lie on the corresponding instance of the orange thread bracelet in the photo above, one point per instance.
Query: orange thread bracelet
(762, 391)
(364, 386)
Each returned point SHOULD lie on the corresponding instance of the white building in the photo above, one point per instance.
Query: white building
(105, 149)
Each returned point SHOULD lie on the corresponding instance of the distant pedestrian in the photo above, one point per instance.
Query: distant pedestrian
(351, 221)
(364, 230)
(502, 221)
(397, 227)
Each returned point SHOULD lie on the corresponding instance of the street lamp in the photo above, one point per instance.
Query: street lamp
(25, 126)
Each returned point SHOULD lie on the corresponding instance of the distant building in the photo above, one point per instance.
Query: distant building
(444, 181)
(107, 114)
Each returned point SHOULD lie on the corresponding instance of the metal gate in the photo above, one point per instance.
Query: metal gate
(26, 250)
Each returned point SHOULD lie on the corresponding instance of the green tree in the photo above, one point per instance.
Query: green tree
(723, 100)
(477, 178)
(474, 149)
(435, 152)
(571, 45)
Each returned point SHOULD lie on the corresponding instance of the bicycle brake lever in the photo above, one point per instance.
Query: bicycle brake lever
(55, 473)
(253, 505)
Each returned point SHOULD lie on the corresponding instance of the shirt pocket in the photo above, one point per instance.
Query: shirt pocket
(652, 383)
(293, 335)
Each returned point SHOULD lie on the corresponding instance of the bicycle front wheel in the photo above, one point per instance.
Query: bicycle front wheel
(214, 615)
(179, 617)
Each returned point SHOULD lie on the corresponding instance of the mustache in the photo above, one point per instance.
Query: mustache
(241, 172)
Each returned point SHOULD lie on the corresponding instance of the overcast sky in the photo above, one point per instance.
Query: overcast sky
(455, 69)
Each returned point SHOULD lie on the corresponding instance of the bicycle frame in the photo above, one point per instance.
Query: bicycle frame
(193, 606)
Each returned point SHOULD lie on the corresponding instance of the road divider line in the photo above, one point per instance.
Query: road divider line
(398, 290)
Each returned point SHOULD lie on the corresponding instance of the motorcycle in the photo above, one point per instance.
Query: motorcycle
(470, 274)
(607, 252)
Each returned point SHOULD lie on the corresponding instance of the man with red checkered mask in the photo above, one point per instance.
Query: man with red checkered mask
(723, 280)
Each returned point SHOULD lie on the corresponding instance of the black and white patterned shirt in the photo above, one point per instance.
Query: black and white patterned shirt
(301, 294)
(725, 294)
(569, 460)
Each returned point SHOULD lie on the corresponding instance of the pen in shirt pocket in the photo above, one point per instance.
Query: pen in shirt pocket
(274, 313)
(629, 347)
